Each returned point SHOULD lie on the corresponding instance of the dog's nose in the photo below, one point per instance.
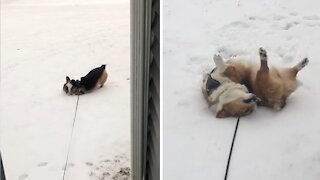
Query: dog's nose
(252, 99)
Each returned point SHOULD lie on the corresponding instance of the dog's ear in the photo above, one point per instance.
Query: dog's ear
(67, 79)
(222, 114)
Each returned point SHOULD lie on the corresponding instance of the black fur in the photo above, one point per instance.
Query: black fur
(246, 81)
(86, 83)
(212, 85)
(89, 81)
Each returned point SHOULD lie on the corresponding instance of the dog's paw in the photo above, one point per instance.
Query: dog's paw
(219, 62)
(263, 54)
(217, 57)
(277, 107)
(304, 62)
(79, 92)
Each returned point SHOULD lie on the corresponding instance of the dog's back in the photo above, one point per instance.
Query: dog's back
(90, 80)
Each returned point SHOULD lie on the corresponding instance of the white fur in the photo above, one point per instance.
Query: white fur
(228, 91)
(220, 64)
(69, 86)
(232, 92)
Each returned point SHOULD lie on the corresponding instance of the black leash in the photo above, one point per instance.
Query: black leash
(74, 120)
(2, 176)
(230, 153)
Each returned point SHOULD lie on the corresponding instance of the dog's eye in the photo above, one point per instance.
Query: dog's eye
(251, 99)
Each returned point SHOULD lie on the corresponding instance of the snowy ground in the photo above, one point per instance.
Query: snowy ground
(41, 43)
(269, 145)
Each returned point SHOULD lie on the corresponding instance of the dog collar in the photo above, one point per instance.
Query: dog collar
(212, 84)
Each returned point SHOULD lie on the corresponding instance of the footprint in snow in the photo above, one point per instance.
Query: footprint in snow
(278, 18)
(294, 14)
(42, 164)
(290, 25)
(239, 24)
(106, 160)
(69, 165)
(111, 169)
(23, 176)
(89, 163)
(311, 18)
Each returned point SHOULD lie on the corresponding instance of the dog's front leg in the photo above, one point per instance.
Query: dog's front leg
(220, 64)
(80, 91)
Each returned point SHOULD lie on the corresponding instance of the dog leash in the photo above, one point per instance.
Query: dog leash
(231, 148)
(74, 120)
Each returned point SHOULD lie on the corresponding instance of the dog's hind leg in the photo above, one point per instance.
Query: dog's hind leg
(268, 88)
(102, 79)
(300, 66)
(292, 72)
(289, 76)
(263, 73)
(263, 60)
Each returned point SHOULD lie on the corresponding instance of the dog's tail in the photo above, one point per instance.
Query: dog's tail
(103, 66)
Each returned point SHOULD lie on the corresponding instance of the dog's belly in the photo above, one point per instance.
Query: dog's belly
(270, 92)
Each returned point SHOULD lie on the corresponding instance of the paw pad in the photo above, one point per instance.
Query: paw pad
(304, 62)
(217, 57)
(263, 53)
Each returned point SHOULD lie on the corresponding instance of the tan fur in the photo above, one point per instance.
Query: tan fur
(102, 79)
(272, 86)
(205, 95)
(235, 108)
(228, 100)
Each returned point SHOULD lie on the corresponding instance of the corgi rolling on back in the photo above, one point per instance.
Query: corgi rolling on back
(272, 85)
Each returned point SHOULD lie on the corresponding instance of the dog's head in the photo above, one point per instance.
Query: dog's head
(71, 86)
(232, 99)
(229, 99)
(236, 103)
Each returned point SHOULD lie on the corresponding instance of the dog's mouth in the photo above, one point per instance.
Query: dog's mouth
(252, 99)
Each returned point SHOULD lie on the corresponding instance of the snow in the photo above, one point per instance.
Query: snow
(41, 43)
(269, 145)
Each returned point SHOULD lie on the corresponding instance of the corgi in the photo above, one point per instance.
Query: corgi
(271, 85)
(225, 97)
(94, 79)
